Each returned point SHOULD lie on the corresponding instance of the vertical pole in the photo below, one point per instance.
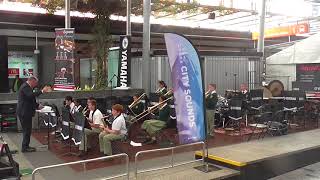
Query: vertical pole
(67, 14)
(146, 46)
(128, 17)
(261, 27)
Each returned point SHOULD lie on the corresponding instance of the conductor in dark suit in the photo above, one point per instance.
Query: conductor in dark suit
(26, 109)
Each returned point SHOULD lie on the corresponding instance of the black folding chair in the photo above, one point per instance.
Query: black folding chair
(260, 121)
(277, 125)
(235, 113)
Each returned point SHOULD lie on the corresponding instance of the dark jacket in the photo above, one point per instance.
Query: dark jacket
(19, 83)
(27, 101)
(211, 101)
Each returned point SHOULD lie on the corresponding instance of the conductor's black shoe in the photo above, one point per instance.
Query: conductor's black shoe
(28, 150)
(32, 148)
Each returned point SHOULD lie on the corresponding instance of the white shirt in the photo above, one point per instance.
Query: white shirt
(96, 118)
(77, 108)
(72, 108)
(119, 124)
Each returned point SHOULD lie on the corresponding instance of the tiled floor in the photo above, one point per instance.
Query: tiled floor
(311, 172)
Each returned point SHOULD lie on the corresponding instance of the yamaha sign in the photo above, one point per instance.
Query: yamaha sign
(124, 61)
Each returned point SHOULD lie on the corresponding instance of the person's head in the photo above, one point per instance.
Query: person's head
(68, 100)
(243, 87)
(117, 109)
(90, 99)
(76, 102)
(92, 105)
(162, 98)
(212, 87)
(33, 82)
(162, 84)
(17, 76)
(63, 70)
(135, 97)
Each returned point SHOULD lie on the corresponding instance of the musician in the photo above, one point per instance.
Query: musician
(85, 110)
(162, 88)
(118, 130)
(244, 90)
(211, 102)
(69, 104)
(139, 107)
(78, 107)
(154, 125)
(95, 121)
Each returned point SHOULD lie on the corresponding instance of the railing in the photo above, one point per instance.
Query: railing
(86, 161)
(172, 155)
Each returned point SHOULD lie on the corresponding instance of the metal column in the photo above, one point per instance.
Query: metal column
(146, 46)
(261, 28)
(67, 14)
(128, 17)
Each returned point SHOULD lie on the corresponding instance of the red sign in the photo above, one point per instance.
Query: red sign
(13, 71)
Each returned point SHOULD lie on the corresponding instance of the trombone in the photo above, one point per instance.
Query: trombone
(158, 91)
(169, 93)
(134, 103)
(150, 110)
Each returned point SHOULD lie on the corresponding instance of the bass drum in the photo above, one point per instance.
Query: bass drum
(276, 88)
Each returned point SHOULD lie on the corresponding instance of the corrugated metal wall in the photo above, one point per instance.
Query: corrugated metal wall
(217, 69)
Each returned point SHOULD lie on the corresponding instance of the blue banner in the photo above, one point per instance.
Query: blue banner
(187, 87)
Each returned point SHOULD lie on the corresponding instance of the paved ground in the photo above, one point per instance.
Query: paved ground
(311, 172)
(44, 157)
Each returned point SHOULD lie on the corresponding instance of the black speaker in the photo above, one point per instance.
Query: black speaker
(212, 16)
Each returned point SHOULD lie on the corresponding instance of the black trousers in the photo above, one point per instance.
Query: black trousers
(26, 124)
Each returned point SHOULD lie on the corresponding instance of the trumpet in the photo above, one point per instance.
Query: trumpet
(150, 110)
(134, 103)
(207, 93)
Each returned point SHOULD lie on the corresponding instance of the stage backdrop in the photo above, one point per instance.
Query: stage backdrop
(64, 76)
(187, 87)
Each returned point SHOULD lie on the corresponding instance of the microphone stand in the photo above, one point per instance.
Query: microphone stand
(111, 83)
(235, 80)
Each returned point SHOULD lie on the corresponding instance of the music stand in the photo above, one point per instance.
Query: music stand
(49, 121)
(66, 129)
(78, 132)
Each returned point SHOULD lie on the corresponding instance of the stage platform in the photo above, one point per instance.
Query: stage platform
(188, 172)
(267, 158)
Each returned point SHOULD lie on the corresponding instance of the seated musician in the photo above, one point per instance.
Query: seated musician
(78, 107)
(155, 125)
(244, 90)
(138, 107)
(162, 90)
(85, 110)
(118, 130)
(95, 121)
(211, 102)
(69, 104)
